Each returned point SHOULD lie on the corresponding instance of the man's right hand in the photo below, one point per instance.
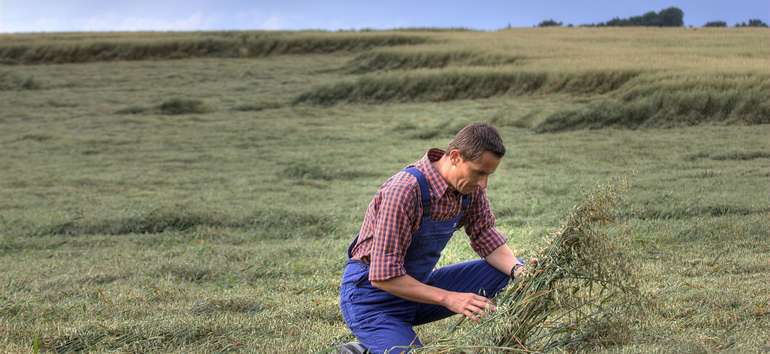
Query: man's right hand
(467, 304)
(470, 305)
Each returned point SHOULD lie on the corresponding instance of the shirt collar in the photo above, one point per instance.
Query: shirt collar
(436, 183)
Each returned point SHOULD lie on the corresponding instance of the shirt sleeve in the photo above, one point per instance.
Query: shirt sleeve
(393, 229)
(480, 225)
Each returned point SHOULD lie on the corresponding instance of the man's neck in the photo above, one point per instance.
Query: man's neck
(442, 166)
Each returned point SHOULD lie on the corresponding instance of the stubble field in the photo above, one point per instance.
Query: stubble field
(197, 192)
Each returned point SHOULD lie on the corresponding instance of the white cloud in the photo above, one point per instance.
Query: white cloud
(43, 24)
(282, 22)
(274, 22)
(112, 22)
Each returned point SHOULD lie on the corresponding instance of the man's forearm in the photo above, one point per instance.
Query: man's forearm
(502, 258)
(409, 288)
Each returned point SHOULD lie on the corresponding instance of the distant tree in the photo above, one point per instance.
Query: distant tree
(715, 24)
(754, 22)
(650, 18)
(549, 23)
(668, 17)
(615, 21)
(671, 17)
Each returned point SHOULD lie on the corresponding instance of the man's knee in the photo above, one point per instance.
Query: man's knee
(387, 334)
(476, 276)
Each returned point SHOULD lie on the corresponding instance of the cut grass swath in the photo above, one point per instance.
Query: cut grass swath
(580, 294)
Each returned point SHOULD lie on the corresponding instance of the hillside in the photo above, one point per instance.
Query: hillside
(626, 78)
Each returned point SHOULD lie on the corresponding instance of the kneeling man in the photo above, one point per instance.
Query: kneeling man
(389, 283)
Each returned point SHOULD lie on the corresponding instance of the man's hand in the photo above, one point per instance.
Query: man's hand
(523, 269)
(467, 304)
(470, 305)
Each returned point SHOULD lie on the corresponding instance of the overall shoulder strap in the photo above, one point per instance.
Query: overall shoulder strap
(424, 190)
(466, 201)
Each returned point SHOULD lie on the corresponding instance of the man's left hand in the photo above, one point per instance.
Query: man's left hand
(523, 269)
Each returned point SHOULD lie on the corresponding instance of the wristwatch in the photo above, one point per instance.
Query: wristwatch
(519, 264)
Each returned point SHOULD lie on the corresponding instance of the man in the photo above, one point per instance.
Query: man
(389, 284)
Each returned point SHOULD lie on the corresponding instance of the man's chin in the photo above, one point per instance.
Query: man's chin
(464, 190)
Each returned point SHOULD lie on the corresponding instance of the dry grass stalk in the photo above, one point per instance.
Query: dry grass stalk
(574, 298)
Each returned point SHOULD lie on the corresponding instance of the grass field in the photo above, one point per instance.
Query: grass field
(201, 198)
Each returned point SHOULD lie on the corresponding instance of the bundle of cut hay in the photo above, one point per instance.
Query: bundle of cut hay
(579, 295)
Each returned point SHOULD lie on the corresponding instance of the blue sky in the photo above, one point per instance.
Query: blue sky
(181, 15)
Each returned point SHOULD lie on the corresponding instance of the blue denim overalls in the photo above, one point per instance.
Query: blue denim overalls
(382, 321)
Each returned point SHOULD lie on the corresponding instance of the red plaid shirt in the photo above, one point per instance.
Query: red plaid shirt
(393, 216)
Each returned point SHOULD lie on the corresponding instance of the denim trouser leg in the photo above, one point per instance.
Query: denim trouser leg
(476, 276)
(382, 321)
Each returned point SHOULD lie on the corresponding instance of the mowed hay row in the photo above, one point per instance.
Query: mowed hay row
(626, 98)
(672, 102)
(466, 83)
(263, 223)
(407, 58)
(240, 46)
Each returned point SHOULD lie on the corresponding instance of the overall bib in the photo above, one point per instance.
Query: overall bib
(382, 321)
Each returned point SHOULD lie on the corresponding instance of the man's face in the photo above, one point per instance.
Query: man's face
(465, 175)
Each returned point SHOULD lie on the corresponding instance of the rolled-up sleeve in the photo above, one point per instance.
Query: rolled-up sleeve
(480, 225)
(393, 231)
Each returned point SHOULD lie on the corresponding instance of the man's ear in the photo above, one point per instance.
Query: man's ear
(455, 156)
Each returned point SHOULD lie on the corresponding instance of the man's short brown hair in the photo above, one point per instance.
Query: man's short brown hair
(476, 138)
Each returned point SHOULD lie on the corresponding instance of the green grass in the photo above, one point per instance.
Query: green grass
(126, 229)
(11, 81)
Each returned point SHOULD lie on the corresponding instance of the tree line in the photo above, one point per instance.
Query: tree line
(668, 17)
